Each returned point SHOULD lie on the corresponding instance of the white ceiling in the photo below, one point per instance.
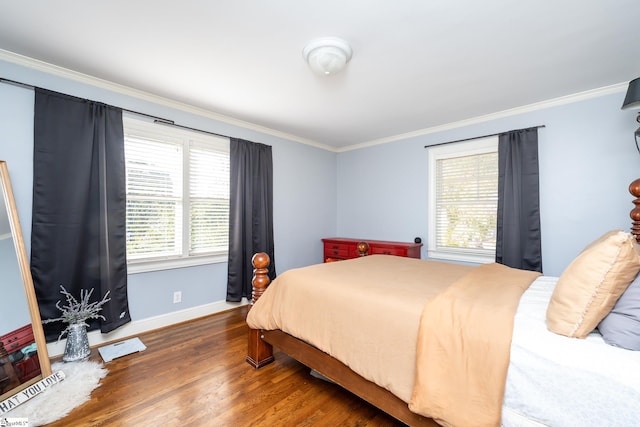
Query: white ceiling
(416, 63)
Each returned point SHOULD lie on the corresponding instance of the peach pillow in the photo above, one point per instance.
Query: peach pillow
(590, 286)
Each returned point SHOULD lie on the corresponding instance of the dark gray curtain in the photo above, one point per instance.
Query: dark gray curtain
(250, 214)
(79, 207)
(518, 242)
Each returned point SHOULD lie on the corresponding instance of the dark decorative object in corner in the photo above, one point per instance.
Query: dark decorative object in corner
(632, 100)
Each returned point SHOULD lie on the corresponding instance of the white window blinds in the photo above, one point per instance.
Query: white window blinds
(209, 199)
(464, 201)
(154, 198)
(177, 193)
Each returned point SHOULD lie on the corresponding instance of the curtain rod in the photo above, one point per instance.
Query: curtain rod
(156, 119)
(479, 137)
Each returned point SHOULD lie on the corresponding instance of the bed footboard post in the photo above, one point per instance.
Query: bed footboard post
(634, 189)
(260, 353)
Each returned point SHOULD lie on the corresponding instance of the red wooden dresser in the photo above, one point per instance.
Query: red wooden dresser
(29, 366)
(339, 248)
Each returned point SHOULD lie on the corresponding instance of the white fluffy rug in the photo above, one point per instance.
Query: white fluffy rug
(81, 378)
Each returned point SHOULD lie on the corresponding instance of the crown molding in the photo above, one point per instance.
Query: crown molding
(66, 73)
(563, 100)
(147, 96)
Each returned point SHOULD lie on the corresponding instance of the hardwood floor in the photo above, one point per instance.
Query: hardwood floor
(194, 374)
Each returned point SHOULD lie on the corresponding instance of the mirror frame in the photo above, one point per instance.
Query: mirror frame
(27, 280)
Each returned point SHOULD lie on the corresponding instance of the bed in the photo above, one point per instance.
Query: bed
(372, 326)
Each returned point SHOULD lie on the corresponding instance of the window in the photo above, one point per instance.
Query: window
(177, 196)
(463, 200)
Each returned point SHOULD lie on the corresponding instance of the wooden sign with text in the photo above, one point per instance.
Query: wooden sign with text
(31, 391)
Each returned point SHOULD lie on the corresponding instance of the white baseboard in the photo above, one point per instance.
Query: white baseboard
(96, 338)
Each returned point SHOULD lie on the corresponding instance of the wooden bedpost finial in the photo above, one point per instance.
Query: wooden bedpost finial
(261, 280)
(634, 189)
(259, 352)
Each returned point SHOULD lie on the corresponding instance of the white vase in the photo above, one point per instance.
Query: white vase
(77, 347)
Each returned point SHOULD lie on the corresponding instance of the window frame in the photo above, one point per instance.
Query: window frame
(447, 151)
(143, 129)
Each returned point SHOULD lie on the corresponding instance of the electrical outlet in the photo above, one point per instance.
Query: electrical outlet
(177, 297)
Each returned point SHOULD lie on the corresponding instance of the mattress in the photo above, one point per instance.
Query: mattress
(552, 380)
(559, 381)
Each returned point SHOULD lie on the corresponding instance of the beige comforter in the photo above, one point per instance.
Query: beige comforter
(365, 312)
(464, 347)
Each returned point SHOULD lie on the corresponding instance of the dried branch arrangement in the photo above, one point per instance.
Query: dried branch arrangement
(78, 312)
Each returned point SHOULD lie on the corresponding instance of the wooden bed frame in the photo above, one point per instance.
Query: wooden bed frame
(261, 342)
(260, 353)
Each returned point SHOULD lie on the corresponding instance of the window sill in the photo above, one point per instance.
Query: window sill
(135, 267)
(461, 257)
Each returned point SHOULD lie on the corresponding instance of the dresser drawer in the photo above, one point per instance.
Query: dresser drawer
(377, 250)
(338, 249)
(28, 368)
(341, 252)
(17, 339)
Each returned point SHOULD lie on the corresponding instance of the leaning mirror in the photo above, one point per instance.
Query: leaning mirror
(23, 351)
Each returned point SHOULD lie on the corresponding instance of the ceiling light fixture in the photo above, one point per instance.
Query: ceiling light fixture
(327, 55)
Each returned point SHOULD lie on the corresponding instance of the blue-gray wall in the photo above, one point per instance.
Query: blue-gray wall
(13, 301)
(587, 161)
(304, 189)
